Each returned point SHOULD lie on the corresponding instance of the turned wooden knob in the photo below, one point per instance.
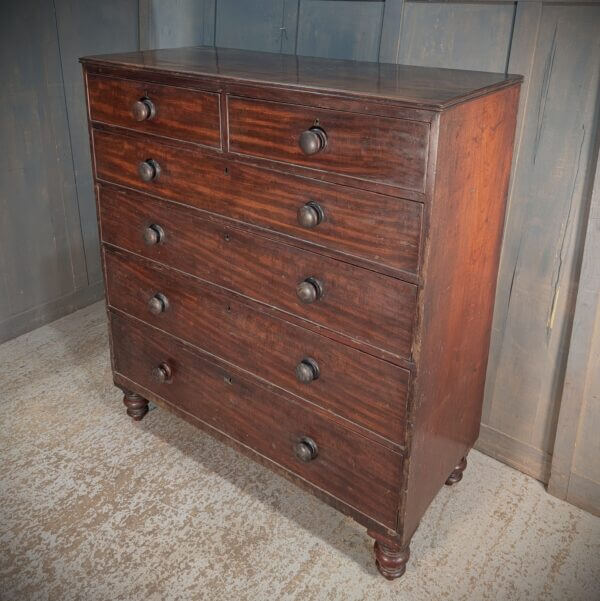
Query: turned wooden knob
(158, 304)
(310, 215)
(312, 140)
(306, 449)
(153, 234)
(307, 370)
(149, 170)
(143, 109)
(162, 373)
(309, 290)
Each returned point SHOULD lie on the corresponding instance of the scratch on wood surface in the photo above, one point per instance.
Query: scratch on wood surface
(566, 229)
(544, 93)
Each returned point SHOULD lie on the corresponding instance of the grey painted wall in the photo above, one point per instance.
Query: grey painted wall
(49, 258)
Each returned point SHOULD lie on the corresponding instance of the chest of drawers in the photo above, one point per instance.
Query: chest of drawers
(300, 258)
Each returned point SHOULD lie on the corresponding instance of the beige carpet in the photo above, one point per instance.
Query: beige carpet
(96, 507)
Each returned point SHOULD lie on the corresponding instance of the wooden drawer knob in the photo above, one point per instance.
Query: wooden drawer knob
(149, 170)
(313, 140)
(307, 370)
(310, 215)
(162, 373)
(143, 109)
(158, 304)
(154, 234)
(309, 290)
(306, 449)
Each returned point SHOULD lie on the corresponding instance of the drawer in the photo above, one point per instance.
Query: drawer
(379, 149)
(361, 473)
(350, 383)
(378, 228)
(371, 308)
(188, 115)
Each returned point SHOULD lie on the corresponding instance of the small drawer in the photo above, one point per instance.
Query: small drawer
(348, 382)
(379, 149)
(374, 309)
(359, 472)
(179, 113)
(381, 229)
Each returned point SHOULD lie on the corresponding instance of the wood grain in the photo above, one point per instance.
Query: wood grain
(542, 248)
(360, 388)
(375, 309)
(428, 88)
(363, 474)
(221, 282)
(384, 231)
(467, 215)
(394, 152)
(188, 115)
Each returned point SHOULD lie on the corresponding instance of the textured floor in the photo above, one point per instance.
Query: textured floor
(96, 507)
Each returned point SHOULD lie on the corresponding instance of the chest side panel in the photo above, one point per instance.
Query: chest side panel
(456, 302)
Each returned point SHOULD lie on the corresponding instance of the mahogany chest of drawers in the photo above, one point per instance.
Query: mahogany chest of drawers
(300, 257)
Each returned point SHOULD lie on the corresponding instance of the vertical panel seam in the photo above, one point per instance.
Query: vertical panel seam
(215, 24)
(68, 231)
(297, 28)
(510, 37)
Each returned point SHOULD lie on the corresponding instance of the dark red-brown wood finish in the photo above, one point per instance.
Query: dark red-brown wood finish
(267, 271)
(300, 257)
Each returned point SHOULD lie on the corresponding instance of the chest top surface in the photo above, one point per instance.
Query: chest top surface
(422, 87)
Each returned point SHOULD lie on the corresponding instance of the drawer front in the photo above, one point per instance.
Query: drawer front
(179, 113)
(359, 472)
(379, 149)
(372, 308)
(352, 384)
(375, 227)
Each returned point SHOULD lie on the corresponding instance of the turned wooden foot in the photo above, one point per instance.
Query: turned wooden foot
(390, 557)
(137, 406)
(457, 472)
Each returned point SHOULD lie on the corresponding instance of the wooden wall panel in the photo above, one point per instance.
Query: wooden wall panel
(575, 462)
(257, 25)
(41, 246)
(337, 29)
(49, 260)
(176, 23)
(89, 28)
(461, 36)
(542, 244)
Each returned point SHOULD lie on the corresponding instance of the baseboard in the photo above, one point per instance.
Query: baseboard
(527, 459)
(42, 314)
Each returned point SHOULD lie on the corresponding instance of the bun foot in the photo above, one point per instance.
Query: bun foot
(137, 406)
(457, 472)
(390, 558)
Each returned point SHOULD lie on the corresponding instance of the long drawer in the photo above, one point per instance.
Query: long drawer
(362, 473)
(367, 147)
(361, 388)
(189, 115)
(369, 307)
(375, 227)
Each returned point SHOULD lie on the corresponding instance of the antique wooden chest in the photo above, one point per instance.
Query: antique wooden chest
(300, 257)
